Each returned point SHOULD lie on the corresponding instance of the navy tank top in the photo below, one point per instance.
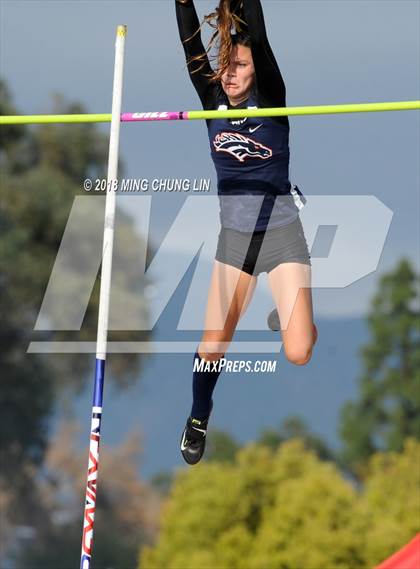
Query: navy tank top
(251, 157)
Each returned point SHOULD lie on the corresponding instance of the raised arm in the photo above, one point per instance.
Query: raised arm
(269, 79)
(188, 26)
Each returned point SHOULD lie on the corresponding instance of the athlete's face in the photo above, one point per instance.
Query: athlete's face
(239, 76)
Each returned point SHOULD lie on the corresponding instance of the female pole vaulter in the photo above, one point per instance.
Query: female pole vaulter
(259, 208)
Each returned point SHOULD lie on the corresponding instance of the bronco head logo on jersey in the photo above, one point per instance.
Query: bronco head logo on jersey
(240, 146)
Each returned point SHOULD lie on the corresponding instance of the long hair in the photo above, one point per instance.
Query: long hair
(227, 17)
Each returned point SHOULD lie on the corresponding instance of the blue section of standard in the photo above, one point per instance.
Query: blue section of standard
(99, 383)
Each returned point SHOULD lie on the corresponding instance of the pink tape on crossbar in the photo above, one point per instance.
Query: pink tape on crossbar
(163, 116)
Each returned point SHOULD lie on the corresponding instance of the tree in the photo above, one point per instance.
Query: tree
(295, 428)
(9, 135)
(126, 512)
(262, 511)
(391, 501)
(388, 408)
(162, 482)
(287, 509)
(221, 447)
(42, 170)
(26, 394)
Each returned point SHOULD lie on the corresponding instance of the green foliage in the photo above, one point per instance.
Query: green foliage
(9, 135)
(26, 398)
(26, 394)
(162, 482)
(287, 509)
(220, 446)
(295, 428)
(42, 171)
(392, 501)
(388, 408)
(256, 512)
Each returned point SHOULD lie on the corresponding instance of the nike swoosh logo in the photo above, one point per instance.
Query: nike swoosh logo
(254, 128)
(183, 447)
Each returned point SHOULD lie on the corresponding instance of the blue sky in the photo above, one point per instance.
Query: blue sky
(329, 52)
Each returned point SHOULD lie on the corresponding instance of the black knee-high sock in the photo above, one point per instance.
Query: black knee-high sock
(203, 385)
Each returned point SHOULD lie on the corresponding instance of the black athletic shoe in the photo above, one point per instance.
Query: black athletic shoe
(193, 440)
(273, 321)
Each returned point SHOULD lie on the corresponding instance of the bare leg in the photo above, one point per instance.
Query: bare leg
(290, 285)
(230, 292)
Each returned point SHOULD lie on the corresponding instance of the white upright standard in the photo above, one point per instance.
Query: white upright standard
(108, 242)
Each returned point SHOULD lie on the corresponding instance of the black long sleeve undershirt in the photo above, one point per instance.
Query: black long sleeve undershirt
(270, 82)
(271, 89)
(188, 26)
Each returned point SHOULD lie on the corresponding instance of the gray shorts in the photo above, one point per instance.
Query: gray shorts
(262, 251)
